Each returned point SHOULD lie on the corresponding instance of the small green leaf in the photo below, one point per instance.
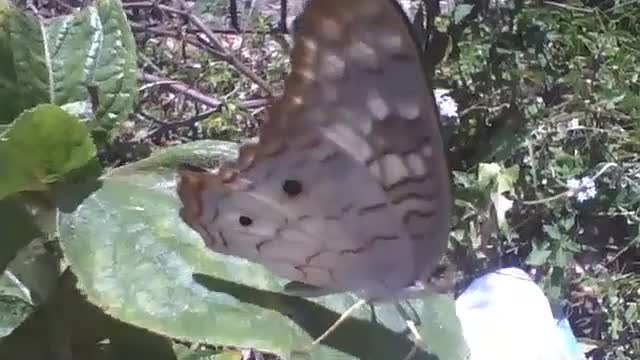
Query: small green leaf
(507, 178)
(562, 257)
(554, 283)
(632, 314)
(488, 173)
(40, 148)
(497, 179)
(502, 205)
(461, 11)
(552, 231)
(539, 254)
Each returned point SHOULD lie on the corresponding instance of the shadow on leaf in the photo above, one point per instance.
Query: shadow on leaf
(77, 186)
(359, 338)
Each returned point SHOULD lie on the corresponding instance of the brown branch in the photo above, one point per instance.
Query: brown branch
(196, 95)
(185, 89)
(229, 57)
(193, 40)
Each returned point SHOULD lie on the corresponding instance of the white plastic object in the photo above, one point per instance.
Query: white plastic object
(506, 316)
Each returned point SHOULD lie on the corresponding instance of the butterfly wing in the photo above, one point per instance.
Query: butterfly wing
(358, 76)
(347, 188)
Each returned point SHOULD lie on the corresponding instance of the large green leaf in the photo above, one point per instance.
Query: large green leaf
(68, 324)
(42, 146)
(60, 60)
(27, 282)
(17, 229)
(185, 353)
(15, 303)
(10, 105)
(37, 269)
(200, 153)
(137, 260)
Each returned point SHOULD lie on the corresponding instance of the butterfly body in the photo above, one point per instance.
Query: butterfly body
(347, 188)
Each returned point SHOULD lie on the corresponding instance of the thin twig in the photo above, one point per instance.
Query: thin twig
(198, 96)
(621, 5)
(569, 7)
(184, 89)
(549, 199)
(615, 257)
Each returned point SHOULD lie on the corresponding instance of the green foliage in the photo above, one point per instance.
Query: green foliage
(61, 60)
(551, 90)
(122, 238)
(223, 125)
(10, 105)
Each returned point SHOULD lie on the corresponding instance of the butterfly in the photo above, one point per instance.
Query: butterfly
(347, 188)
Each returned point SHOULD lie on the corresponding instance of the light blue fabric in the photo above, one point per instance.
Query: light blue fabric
(506, 316)
(564, 329)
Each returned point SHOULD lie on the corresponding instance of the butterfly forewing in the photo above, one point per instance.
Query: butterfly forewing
(364, 87)
(347, 188)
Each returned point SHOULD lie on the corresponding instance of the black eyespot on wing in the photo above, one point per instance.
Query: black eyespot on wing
(292, 187)
(245, 220)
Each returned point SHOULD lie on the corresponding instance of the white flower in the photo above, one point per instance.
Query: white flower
(582, 197)
(587, 182)
(583, 189)
(448, 107)
(573, 184)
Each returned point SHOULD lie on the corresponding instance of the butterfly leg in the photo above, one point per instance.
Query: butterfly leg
(411, 325)
(301, 289)
(340, 320)
(335, 325)
(417, 339)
